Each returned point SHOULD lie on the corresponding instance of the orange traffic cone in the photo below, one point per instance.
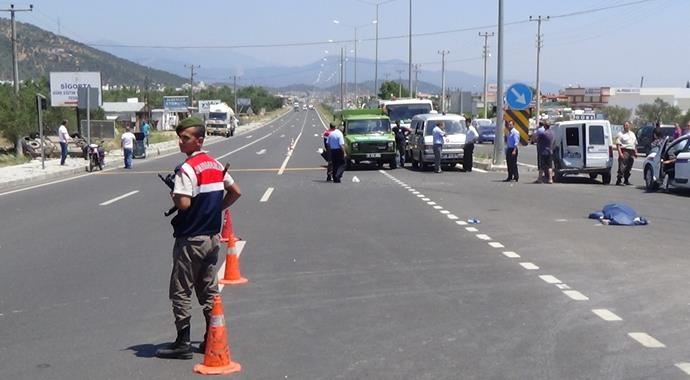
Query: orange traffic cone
(226, 233)
(232, 274)
(217, 358)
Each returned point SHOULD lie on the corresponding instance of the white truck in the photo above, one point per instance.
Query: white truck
(221, 120)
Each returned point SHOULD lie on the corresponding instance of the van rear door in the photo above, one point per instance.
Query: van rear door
(572, 149)
(597, 147)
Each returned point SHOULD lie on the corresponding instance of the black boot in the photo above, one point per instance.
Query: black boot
(180, 349)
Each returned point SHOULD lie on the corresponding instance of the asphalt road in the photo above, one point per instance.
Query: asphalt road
(378, 277)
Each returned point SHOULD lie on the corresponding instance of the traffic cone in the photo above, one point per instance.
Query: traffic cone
(217, 358)
(232, 274)
(226, 232)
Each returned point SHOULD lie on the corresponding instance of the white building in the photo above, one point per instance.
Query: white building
(632, 97)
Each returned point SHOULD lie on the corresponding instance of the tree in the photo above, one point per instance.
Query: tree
(616, 114)
(659, 111)
(391, 89)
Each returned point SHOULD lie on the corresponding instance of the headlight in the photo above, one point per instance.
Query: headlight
(355, 146)
(391, 145)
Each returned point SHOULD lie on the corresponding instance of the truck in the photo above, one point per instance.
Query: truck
(221, 120)
(368, 137)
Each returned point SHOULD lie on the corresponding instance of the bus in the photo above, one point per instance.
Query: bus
(405, 109)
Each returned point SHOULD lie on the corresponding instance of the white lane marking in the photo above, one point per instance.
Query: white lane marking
(606, 315)
(561, 220)
(471, 229)
(355, 179)
(243, 146)
(636, 169)
(549, 279)
(282, 136)
(483, 237)
(248, 137)
(420, 195)
(451, 216)
(562, 286)
(292, 149)
(413, 191)
(496, 244)
(431, 203)
(529, 266)
(684, 366)
(461, 223)
(239, 246)
(479, 170)
(266, 195)
(437, 207)
(426, 199)
(262, 151)
(445, 212)
(574, 294)
(316, 135)
(511, 254)
(118, 198)
(646, 340)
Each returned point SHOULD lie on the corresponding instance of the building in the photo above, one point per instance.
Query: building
(626, 97)
(590, 97)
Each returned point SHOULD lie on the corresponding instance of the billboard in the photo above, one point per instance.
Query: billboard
(244, 102)
(176, 103)
(205, 105)
(64, 86)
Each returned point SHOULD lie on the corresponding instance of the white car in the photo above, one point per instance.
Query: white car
(676, 174)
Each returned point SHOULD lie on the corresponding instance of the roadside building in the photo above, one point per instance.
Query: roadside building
(125, 113)
(627, 97)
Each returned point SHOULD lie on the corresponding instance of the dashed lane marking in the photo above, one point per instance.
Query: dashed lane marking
(606, 315)
(437, 207)
(549, 279)
(426, 199)
(471, 229)
(262, 151)
(646, 340)
(574, 294)
(461, 223)
(511, 254)
(431, 203)
(451, 216)
(562, 286)
(266, 195)
(685, 367)
(483, 237)
(444, 212)
(118, 198)
(496, 244)
(529, 266)
(420, 195)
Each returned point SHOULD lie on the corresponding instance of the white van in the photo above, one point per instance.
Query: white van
(583, 146)
(420, 142)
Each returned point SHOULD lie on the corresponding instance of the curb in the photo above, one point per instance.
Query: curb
(489, 166)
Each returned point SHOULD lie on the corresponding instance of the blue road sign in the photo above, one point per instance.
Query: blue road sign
(519, 96)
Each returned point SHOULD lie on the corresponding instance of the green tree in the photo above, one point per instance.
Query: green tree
(659, 111)
(617, 114)
(391, 89)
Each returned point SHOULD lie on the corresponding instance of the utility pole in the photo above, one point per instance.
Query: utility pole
(234, 92)
(499, 158)
(356, 99)
(485, 53)
(376, 64)
(443, 78)
(540, 43)
(409, 69)
(342, 68)
(400, 71)
(191, 82)
(416, 78)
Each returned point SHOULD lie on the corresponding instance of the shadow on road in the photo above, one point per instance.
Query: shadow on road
(146, 350)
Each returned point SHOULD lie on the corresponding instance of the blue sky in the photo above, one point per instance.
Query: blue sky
(613, 47)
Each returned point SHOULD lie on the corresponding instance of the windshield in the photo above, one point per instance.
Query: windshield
(217, 115)
(453, 127)
(363, 127)
(487, 128)
(405, 112)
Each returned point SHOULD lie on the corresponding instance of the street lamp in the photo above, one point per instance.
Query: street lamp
(355, 27)
(376, 64)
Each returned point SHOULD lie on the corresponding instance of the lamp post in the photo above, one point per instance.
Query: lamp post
(355, 27)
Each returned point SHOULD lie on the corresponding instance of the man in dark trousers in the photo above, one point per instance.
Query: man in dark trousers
(336, 144)
(200, 197)
(401, 134)
(468, 151)
(512, 141)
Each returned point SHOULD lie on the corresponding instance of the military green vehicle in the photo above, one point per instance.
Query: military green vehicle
(368, 137)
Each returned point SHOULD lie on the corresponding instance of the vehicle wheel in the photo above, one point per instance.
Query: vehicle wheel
(592, 175)
(649, 183)
(606, 178)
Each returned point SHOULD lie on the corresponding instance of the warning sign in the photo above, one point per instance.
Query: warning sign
(520, 120)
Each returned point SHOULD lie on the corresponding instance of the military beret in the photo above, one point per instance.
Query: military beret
(189, 122)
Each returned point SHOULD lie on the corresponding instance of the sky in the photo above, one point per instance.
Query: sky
(613, 47)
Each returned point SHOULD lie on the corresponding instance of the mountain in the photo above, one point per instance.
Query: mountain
(40, 52)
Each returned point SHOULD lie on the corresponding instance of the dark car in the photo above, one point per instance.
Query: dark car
(487, 133)
(645, 136)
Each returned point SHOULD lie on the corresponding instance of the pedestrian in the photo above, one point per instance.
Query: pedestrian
(544, 149)
(535, 140)
(127, 143)
(438, 134)
(468, 151)
(511, 151)
(626, 143)
(200, 197)
(657, 139)
(63, 136)
(327, 154)
(677, 132)
(145, 127)
(687, 129)
(401, 134)
(336, 144)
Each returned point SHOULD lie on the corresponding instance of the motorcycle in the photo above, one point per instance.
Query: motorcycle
(95, 154)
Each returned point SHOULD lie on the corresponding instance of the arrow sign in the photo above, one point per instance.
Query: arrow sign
(519, 96)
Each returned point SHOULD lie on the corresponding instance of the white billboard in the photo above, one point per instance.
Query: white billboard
(64, 85)
(205, 105)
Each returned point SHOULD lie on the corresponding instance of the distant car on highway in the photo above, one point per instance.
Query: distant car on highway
(645, 136)
(486, 133)
(675, 174)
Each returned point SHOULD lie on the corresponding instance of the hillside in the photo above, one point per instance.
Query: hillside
(41, 52)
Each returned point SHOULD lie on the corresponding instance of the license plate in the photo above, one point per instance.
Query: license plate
(373, 155)
(450, 155)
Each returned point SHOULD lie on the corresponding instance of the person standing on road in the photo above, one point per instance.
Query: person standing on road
(327, 154)
(401, 134)
(535, 140)
(336, 144)
(200, 197)
(63, 136)
(127, 143)
(687, 129)
(468, 151)
(512, 141)
(544, 145)
(145, 128)
(677, 132)
(626, 143)
(438, 134)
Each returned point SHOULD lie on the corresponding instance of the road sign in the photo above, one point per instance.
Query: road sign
(520, 120)
(519, 96)
(64, 86)
(176, 103)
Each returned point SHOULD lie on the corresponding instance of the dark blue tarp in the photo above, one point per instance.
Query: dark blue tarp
(619, 214)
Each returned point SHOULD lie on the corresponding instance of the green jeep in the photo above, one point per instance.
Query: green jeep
(368, 137)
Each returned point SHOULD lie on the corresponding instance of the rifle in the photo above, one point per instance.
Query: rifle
(169, 181)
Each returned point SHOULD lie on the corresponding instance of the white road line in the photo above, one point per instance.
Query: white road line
(511, 254)
(685, 367)
(549, 279)
(118, 198)
(483, 237)
(243, 146)
(646, 340)
(262, 151)
(420, 195)
(606, 315)
(415, 192)
(355, 179)
(248, 137)
(529, 266)
(239, 246)
(451, 216)
(437, 207)
(561, 220)
(479, 170)
(293, 146)
(444, 212)
(574, 294)
(412, 190)
(636, 169)
(282, 136)
(426, 199)
(496, 244)
(461, 223)
(562, 286)
(471, 229)
(266, 195)
(431, 203)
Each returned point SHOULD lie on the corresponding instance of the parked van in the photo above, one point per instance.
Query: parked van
(583, 146)
(420, 142)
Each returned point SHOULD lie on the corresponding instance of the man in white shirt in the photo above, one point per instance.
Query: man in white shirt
(63, 135)
(438, 135)
(626, 143)
(468, 152)
(127, 143)
(336, 145)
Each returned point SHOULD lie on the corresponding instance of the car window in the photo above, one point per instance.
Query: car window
(453, 127)
(596, 135)
(572, 136)
(360, 127)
